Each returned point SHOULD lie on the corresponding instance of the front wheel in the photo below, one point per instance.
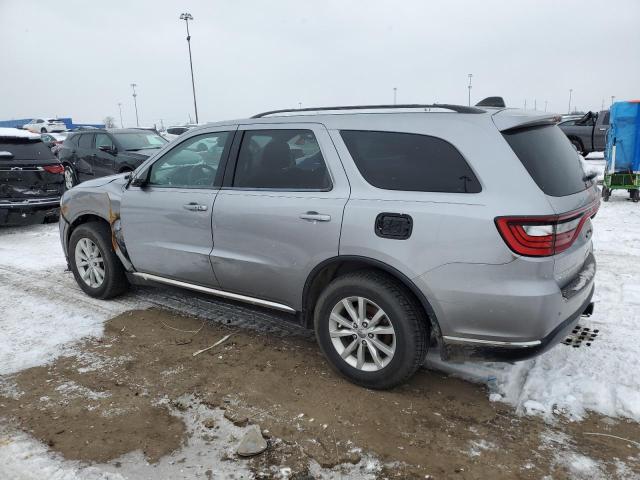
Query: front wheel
(94, 263)
(606, 193)
(43, 130)
(371, 329)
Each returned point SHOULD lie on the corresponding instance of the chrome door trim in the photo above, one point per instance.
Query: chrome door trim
(215, 291)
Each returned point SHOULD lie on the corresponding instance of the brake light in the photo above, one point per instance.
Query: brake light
(543, 236)
(57, 169)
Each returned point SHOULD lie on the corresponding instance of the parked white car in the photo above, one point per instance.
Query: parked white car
(45, 125)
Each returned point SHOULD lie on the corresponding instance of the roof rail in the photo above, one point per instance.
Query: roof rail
(455, 108)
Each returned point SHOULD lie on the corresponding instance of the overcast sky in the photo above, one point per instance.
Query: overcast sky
(77, 58)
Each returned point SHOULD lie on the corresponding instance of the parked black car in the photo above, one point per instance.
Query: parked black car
(97, 153)
(31, 179)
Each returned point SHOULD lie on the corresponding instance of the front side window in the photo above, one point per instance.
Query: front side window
(605, 118)
(85, 140)
(103, 140)
(192, 164)
(281, 159)
(409, 162)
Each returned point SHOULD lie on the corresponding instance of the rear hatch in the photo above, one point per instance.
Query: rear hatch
(29, 172)
(556, 168)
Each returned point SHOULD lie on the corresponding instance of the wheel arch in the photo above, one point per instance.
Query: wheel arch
(334, 267)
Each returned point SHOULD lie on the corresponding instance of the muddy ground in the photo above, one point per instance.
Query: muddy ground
(131, 390)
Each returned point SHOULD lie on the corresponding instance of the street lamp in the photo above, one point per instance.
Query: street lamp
(120, 109)
(395, 95)
(469, 87)
(570, 92)
(613, 98)
(545, 105)
(186, 17)
(135, 102)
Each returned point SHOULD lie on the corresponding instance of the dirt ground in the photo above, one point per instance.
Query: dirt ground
(126, 391)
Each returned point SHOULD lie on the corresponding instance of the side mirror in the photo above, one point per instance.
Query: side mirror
(139, 181)
(108, 148)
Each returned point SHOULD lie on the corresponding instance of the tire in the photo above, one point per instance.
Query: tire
(43, 130)
(70, 178)
(577, 144)
(114, 281)
(606, 193)
(635, 195)
(401, 312)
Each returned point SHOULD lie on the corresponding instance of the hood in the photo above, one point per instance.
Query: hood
(99, 182)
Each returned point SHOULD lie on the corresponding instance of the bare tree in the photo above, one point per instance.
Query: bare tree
(109, 122)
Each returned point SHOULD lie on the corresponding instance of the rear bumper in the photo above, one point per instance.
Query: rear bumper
(506, 352)
(29, 211)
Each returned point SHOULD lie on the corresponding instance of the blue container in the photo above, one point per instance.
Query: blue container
(623, 139)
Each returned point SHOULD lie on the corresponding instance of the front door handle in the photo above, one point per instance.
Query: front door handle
(602, 129)
(315, 217)
(195, 207)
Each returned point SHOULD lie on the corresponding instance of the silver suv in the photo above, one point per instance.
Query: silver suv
(385, 229)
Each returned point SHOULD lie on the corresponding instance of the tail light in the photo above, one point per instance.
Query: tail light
(57, 169)
(543, 236)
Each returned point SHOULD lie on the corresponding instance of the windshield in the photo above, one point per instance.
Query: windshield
(139, 140)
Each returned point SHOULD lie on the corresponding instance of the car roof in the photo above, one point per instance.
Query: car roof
(503, 118)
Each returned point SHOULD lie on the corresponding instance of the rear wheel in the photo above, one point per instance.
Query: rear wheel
(635, 195)
(69, 177)
(43, 130)
(94, 263)
(606, 193)
(370, 329)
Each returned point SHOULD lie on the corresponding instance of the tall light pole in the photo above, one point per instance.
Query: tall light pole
(135, 102)
(299, 105)
(545, 105)
(613, 98)
(469, 87)
(570, 92)
(120, 109)
(186, 17)
(395, 95)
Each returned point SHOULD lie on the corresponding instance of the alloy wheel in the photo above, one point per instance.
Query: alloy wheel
(89, 262)
(362, 334)
(68, 177)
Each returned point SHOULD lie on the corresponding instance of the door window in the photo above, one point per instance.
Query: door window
(85, 140)
(281, 159)
(605, 118)
(193, 163)
(103, 140)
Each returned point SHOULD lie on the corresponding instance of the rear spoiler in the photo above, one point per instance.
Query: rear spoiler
(514, 119)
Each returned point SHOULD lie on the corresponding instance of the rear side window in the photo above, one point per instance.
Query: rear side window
(411, 162)
(548, 156)
(24, 149)
(281, 159)
(72, 141)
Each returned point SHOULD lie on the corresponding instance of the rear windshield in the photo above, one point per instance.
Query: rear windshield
(550, 159)
(24, 149)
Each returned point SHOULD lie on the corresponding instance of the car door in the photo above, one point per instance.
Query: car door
(103, 156)
(600, 131)
(279, 212)
(167, 221)
(84, 157)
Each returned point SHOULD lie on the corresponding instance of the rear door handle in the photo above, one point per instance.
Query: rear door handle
(195, 207)
(602, 129)
(315, 217)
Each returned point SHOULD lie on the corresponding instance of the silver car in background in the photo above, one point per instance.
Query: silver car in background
(386, 229)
